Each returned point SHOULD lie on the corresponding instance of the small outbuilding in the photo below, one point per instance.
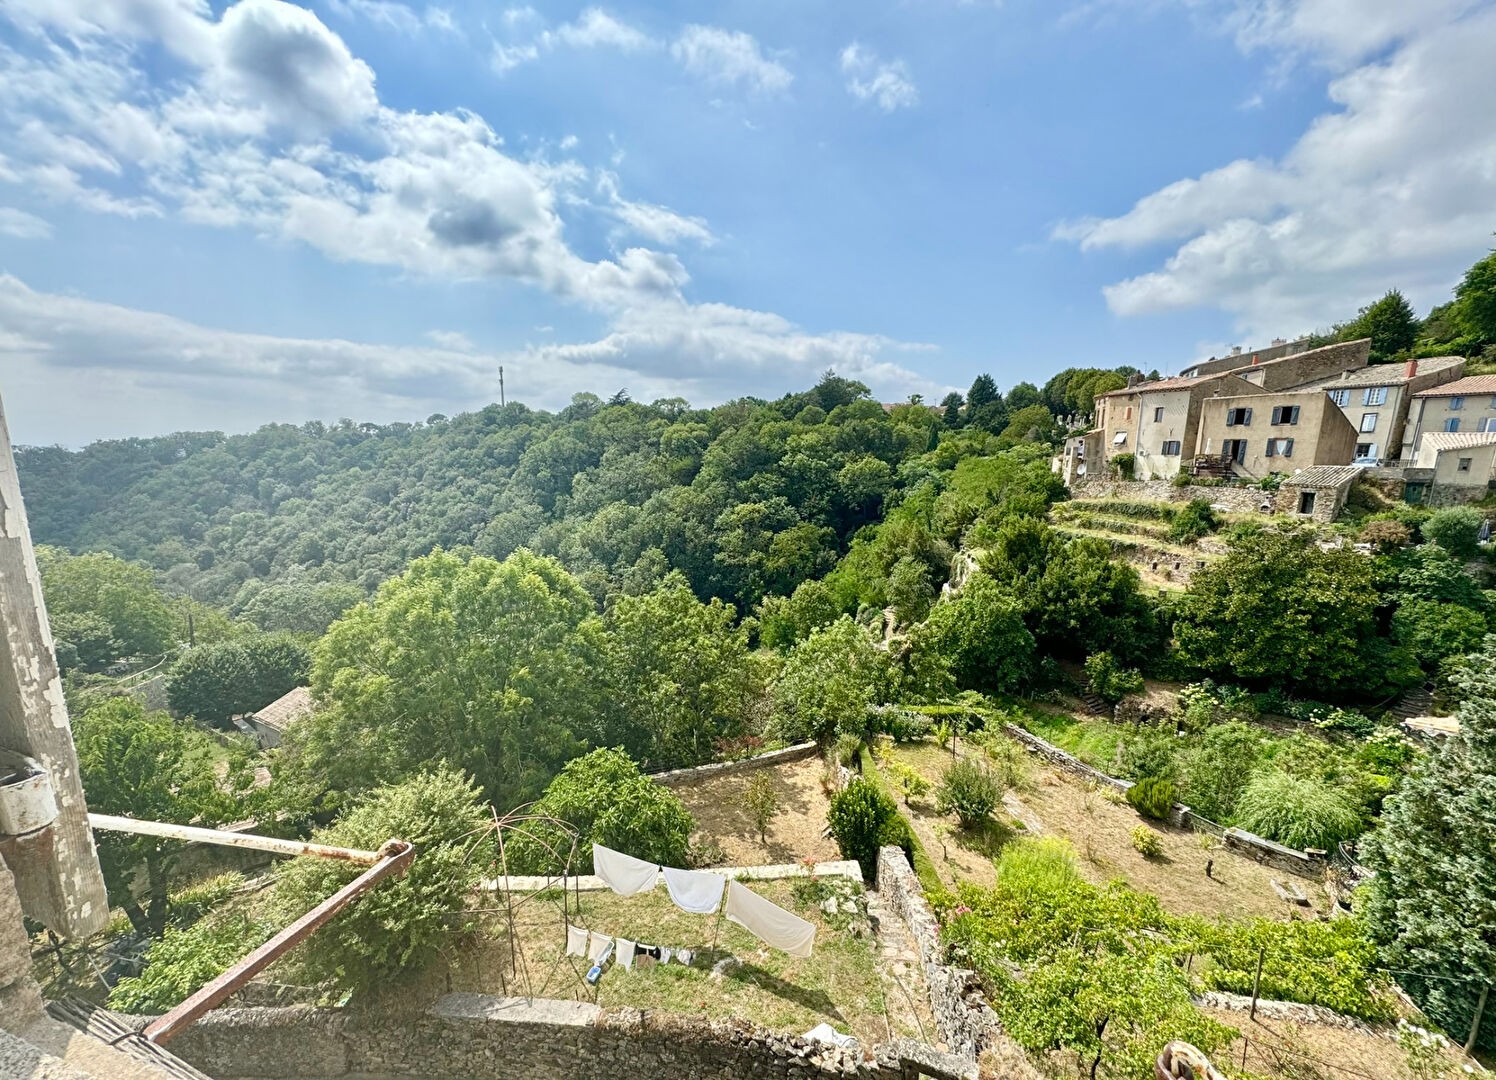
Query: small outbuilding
(1318, 493)
(270, 723)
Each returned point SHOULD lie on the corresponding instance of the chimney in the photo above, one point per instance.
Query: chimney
(1411, 370)
(1132, 380)
(1254, 358)
(1236, 350)
(1278, 341)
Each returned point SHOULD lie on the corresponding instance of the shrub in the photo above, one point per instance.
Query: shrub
(859, 817)
(607, 800)
(1124, 465)
(1181, 480)
(1153, 797)
(900, 725)
(1150, 753)
(1297, 811)
(971, 790)
(1109, 680)
(908, 780)
(1037, 867)
(1455, 529)
(1386, 535)
(1146, 842)
(401, 925)
(182, 960)
(1195, 520)
(762, 802)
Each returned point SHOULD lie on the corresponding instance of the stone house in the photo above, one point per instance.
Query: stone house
(1462, 406)
(1303, 369)
(1318, 493)
(1157, 422)
(1376, 399)
(1452, 467)
(1254, 435)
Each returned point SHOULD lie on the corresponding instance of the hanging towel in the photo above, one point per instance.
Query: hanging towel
(599, 947)
(665, 956)
(622, 873)
(683, 956)
(770, 922)
(576, 941)
(625, 954)
(695, 891)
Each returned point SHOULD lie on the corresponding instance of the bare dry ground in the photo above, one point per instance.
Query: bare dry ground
(1050, 801)
(1292, 1051)
(721, 814)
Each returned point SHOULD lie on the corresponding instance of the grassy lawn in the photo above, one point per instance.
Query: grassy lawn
(1093, 741)
(838, 984)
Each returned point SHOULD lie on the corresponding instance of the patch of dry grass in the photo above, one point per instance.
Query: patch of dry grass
(721, 812)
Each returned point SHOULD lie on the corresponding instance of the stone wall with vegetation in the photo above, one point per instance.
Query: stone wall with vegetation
(476, 1037)
(1290, 860)
(798, 752)
(1236, 499)
(966, 1022)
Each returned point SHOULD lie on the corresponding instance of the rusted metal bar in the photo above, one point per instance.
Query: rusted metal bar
(394, 859)
(230, 839)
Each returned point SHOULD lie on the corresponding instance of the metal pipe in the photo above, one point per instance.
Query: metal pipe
(394, 859)
(230, 839)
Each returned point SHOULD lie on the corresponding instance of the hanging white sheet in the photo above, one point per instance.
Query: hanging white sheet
(576, 941)
(696, 891)
(599, 947)
(770, 922)
(622, 873)
(625, 954)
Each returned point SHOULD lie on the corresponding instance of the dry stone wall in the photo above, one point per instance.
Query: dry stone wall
(1236, 499)
(966, 1022)
(476, 1037)
(798, 752)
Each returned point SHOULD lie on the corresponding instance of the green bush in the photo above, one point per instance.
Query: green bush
(1153, 797)
(910, 782)
(401, 925)
(1299, 811)
(1109, 680)
(971, 790)
(1039, 866)
(1124, 465)
(1195, 520)
(1456, 529)
(183, 960)
(861, 818)
(1150, 753)
(1146, 842)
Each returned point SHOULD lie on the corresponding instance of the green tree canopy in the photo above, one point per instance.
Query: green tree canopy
(1432, 904)
(84, 593)
(980, 637)
(828, 682)
(1475, 300)
(1390, 323)
(215, 682)
(491, 667)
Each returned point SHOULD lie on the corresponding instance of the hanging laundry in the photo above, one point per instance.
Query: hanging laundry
(695, 891)
(600, 944)
(576, 941)
(665, 955)
(622, 873)
(683, 956)
(769, 922)
(625, 953)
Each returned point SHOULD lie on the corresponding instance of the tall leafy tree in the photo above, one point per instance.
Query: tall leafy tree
(952, 403)
(1475, 300)
(213, 683)
(1390, 323)
(491, 667)
(108, 590)
(828, 682)
(679, 674)
(1432, 904)
(980, 636)
(145, 765)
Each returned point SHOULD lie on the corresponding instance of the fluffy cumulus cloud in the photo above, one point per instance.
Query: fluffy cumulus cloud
(528, 39)
(1392, 187)
(885, 83)
(730, 58)
(270, 125)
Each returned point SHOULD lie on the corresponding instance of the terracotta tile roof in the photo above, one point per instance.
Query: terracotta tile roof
(286, 710)
(1388, 374)
(1456, 440)
(1470, 384)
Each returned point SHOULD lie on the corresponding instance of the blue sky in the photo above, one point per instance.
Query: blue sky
(217, 216)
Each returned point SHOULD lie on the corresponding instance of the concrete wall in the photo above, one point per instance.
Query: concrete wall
(967, 1024)
(1322, 435)
(475, 1037)
(1176, 425)
(798, 752)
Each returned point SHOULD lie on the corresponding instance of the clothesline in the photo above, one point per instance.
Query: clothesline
(700, 892)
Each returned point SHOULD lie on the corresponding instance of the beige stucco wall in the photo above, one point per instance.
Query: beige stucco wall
(1447, 467)
(1323, 436)
(1152, 463)
(1431, 414)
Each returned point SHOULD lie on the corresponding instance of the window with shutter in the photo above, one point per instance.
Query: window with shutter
(1288, 448)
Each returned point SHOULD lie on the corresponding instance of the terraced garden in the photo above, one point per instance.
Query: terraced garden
(1139, 531)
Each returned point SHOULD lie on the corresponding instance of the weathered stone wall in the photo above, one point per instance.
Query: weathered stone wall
(798, 752)
(1237, 499)
(1291, 860)
(475, 1037)
(966, 1022)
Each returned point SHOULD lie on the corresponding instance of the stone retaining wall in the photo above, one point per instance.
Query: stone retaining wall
(966, 1023)
(1290, 860)
(1237, 499)
(476, 1037)
(847, 868)
(798, 752)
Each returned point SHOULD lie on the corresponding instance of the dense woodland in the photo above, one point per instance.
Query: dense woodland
(512, 605)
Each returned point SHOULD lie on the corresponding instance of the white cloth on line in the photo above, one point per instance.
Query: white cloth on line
(622, 873)
(695, 891)
(665, 955)
(576, 941)
(599, 946)
(625, 954)
(683, 956)
(769, 922)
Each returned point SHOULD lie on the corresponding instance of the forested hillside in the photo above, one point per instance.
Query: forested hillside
(745, 499)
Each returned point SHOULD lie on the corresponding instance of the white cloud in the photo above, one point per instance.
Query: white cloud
(20, 225)
(887, 83)
(1392, 188)
(658, 224)
(1339, 31)
(398, 17)
(455, 340)
(593, 29)
(730, 58)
